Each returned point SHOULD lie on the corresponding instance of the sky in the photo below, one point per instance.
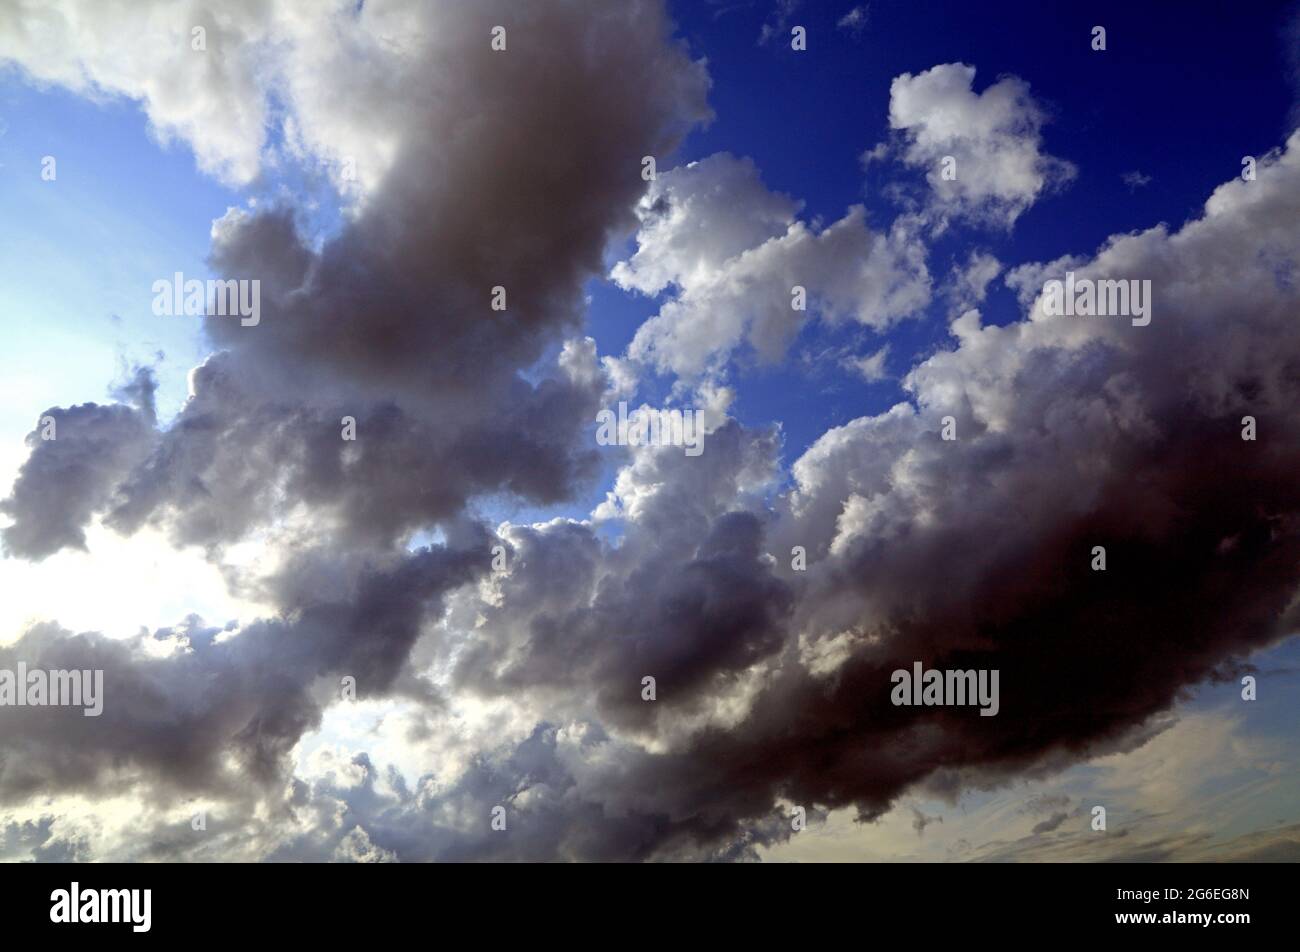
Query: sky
(427, 639)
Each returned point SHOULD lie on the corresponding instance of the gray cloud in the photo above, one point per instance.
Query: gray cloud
(1050, 824)
(74, 474)
(202, 710)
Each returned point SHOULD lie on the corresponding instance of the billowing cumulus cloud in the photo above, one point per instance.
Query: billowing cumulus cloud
(515, 679)
(733, 254)
(981, 152)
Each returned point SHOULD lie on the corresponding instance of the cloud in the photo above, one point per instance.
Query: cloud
(692, 598)
(212, 99)
(205, 710)
(78, 456)
(920, 821)
(732, 252)
(267, 84)
(855, 20)
(872, 367)
(777, 23)
(1045, 803)
(991, 140)
(968, 285)
(1050, 824)
(1136, 180)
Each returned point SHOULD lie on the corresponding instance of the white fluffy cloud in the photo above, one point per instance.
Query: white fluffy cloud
(993, 136)
(732, 251)
(327, 82)
(210, 98)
